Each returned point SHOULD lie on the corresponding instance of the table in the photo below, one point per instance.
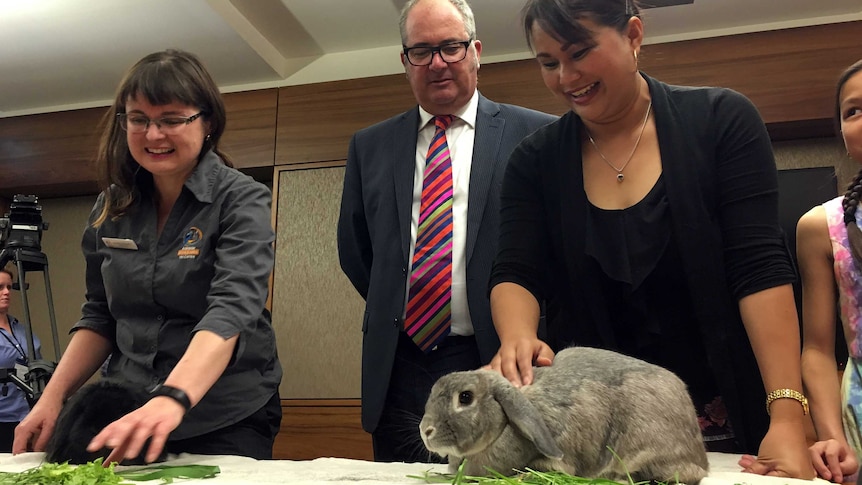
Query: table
(236, 470)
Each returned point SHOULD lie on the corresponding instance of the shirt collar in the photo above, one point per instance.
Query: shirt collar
(467, 113)
(200, 182)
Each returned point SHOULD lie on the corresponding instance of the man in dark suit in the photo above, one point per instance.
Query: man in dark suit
(385, 184)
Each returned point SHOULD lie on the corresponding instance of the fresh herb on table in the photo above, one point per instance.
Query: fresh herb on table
(64, 474)
(168, 472)
(94, 473)
(529, 477)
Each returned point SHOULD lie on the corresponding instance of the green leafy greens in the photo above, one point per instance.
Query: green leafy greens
(94, 473)
(167, 473)
(529, 477)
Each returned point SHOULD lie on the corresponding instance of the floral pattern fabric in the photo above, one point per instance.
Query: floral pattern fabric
(849, 281)
(715, 425)
(851, 395)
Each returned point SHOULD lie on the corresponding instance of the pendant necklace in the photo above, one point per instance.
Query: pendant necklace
(619, 171)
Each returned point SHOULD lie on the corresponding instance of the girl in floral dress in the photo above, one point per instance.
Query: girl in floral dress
(829, 247)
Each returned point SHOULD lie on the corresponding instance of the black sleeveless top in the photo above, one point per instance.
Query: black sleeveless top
(637, 265)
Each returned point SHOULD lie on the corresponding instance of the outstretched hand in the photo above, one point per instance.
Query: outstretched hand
(34, 431)
(127, 436)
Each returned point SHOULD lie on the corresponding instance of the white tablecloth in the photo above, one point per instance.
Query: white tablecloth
(236, 470)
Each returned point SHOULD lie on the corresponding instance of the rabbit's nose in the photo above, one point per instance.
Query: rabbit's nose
(429, 431)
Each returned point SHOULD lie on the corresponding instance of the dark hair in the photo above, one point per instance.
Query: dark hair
(854, 190)
(160, 78)
(560, 18)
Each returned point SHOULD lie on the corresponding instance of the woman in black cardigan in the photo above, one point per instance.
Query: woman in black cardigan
(645, 220)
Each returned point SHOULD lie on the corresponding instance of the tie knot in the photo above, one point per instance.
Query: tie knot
(443, 122)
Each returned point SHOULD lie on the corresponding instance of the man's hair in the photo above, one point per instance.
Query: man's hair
(461, 5)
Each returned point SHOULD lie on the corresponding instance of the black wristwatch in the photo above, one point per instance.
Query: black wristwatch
(174, 393)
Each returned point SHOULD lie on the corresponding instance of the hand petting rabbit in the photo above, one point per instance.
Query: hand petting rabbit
(90, 409)
(589, 402)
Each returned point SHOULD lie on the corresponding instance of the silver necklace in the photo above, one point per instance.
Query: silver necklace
(619, 171)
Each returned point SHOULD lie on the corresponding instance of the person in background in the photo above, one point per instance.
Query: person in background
(178, 252)
(829, 249)
(646, 220)
(14, 353)
(417, 239)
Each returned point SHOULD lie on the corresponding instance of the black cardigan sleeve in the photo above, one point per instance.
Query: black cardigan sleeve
(526, 220)
(754, 250)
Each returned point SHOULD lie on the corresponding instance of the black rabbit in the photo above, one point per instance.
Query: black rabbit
(90, 409)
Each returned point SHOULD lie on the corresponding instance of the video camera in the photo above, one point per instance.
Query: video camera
(22, 226)
(21, 241)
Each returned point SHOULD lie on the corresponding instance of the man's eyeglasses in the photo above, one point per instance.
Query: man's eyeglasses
(169, 125)
(424, 55)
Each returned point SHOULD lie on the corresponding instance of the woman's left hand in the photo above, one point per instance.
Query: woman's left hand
(783, 453)
(127, 436)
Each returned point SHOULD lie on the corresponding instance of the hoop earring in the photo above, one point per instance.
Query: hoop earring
(207, 138)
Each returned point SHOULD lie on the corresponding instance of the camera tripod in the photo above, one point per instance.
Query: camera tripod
(38, 371)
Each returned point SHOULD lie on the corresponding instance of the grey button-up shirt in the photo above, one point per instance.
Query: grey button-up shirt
(208, 270)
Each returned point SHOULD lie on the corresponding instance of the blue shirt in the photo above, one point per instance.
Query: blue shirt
(15, 348)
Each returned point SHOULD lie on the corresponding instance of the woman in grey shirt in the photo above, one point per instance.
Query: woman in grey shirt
(178, 253)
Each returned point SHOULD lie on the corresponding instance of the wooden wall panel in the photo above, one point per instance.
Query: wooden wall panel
(321, 428)
(249, 137)
(519, 82)
(789, 74)
(49, 154)
(52, 154)
(316, 121)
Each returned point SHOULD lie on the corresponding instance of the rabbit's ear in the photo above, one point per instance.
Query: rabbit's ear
(526, 419)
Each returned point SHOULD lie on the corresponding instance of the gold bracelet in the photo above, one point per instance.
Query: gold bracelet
(787, 393)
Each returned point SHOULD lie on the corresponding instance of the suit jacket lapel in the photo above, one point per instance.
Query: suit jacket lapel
(486, 158)
(404, 160)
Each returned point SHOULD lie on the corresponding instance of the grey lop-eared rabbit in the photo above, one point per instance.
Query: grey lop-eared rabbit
(589, 400)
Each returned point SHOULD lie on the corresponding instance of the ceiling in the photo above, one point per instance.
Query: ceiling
(67, 54)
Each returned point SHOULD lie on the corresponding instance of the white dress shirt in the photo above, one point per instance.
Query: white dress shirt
(459, 136)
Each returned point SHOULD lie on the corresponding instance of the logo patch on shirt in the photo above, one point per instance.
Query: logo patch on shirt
(192, 237)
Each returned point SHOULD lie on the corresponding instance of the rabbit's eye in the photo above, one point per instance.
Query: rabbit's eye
(466, 397)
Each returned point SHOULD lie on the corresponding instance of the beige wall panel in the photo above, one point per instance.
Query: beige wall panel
(317, 314)
(816, 152)
(61, 244)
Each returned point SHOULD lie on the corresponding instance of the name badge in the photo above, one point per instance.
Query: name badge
(116, 243)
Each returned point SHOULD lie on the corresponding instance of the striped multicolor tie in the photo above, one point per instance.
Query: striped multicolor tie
(429, 305)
